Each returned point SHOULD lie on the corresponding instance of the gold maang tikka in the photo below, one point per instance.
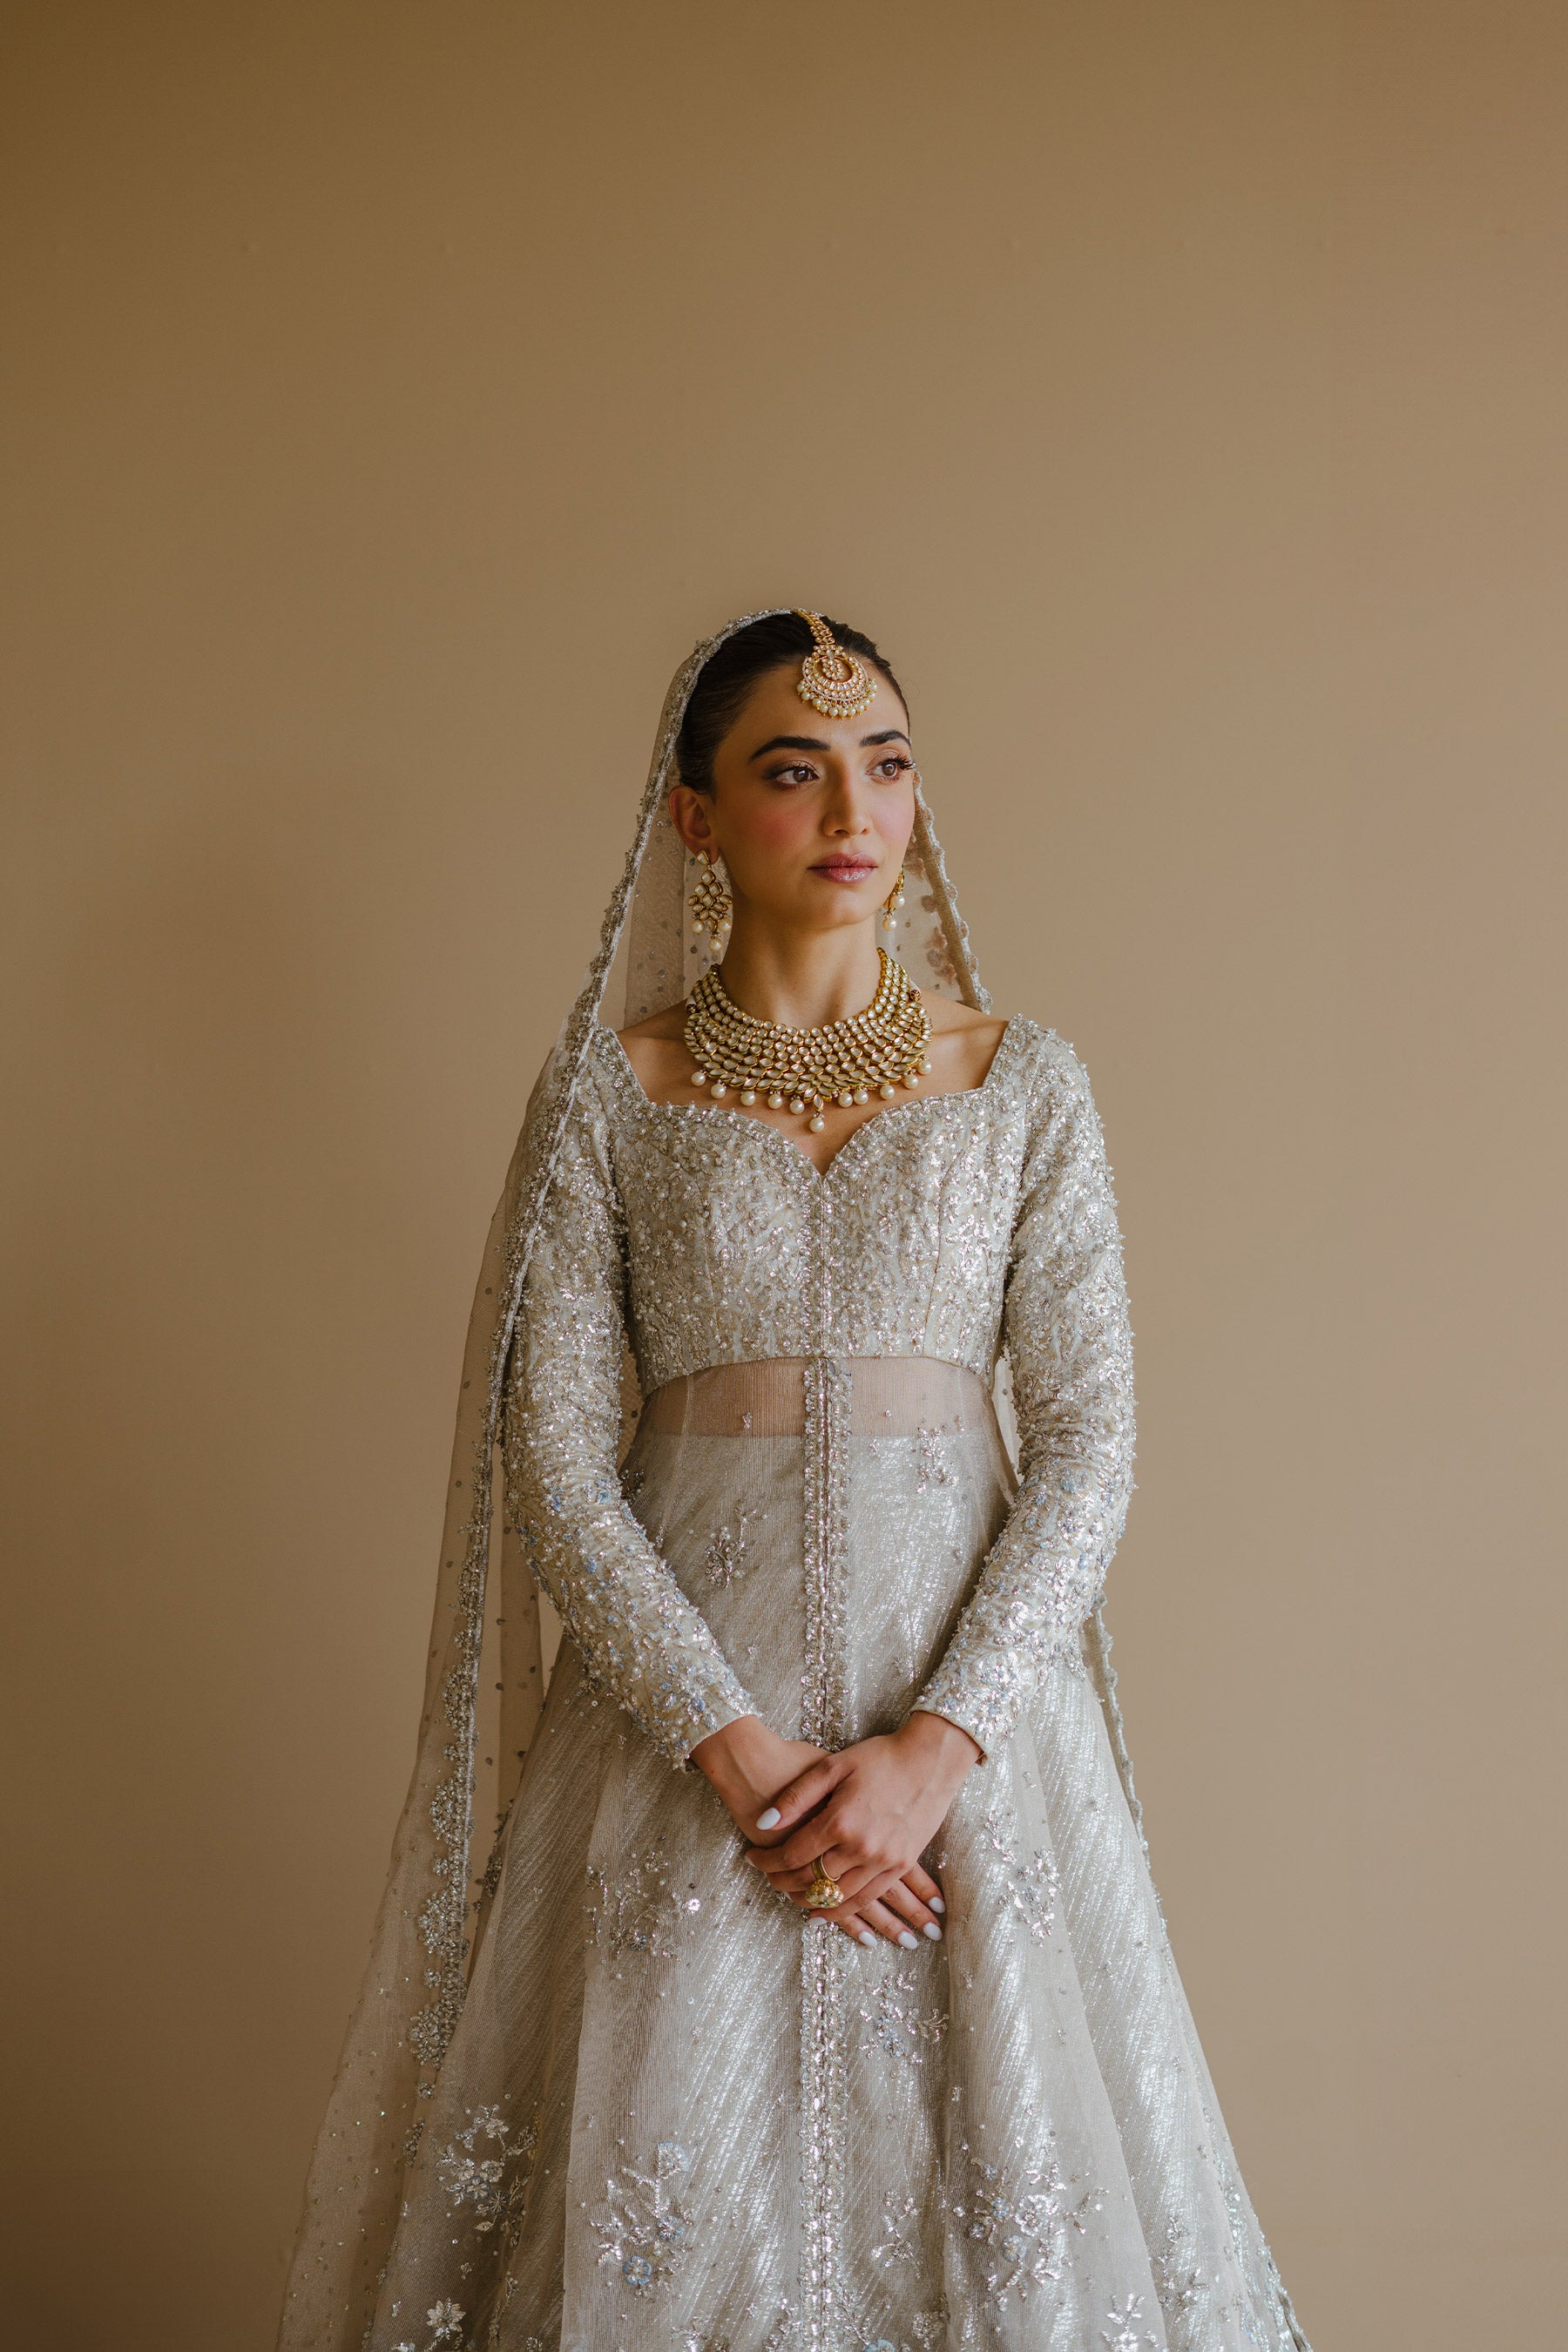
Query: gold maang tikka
(833, 681)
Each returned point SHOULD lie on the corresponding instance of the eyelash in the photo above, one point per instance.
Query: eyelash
(797, 774)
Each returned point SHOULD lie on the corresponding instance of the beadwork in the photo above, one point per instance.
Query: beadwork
(833, 681)
(883, 1048)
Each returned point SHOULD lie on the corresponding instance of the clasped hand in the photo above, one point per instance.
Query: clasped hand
(868, 1810)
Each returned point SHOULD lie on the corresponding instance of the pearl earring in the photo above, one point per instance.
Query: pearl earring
(892, 902)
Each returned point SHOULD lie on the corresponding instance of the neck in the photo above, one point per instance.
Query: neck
(801, 979)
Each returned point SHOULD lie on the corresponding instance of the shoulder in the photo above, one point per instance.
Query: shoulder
(671, 1023)
(963, 1043)
(656, 1052)
(1050, 1075)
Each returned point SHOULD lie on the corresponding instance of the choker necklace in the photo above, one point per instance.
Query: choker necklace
(882, 1048)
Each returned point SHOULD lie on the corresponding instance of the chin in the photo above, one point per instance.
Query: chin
(834, 909)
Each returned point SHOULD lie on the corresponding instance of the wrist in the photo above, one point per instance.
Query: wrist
(945, 1747)
(738, 1754)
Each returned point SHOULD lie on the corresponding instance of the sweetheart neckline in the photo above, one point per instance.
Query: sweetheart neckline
(722, 1112)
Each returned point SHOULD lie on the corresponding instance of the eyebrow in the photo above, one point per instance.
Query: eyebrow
(818, 743)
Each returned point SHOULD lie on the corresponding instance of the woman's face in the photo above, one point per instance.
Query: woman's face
(812, 815)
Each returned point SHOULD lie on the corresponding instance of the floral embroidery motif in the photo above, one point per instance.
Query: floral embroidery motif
(898, 2024)
(1124, 2319)
(640, 1910)
(1032, 1885)
(901, 2224)
(725, 1556)
(643, 2230)
(929, 2328)
(1028, 2229)
(482, 2182)
(447, 2320)
(1183, 2291)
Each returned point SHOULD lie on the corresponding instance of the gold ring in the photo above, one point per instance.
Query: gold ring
(823, 1894)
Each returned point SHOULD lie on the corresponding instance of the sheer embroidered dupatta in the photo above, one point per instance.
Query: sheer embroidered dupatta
(433, 1910)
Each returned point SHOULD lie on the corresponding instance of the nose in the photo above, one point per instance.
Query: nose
(846, 810)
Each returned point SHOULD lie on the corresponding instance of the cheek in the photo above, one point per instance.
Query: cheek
(776, 828)
(895, 824)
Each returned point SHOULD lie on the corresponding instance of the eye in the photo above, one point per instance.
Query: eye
(893, 765)
(797, 774)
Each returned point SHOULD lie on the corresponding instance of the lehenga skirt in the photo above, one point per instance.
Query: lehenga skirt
(677, 2112)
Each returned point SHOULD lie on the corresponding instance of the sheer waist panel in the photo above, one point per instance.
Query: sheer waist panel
(890, 1396)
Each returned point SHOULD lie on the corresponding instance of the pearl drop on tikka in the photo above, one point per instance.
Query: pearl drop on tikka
(748, 1097)
(886, 1091)
(775, 1102)
(817, 1124)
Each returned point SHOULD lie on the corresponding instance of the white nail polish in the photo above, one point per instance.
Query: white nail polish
(770, 1819)
(865, 1937)
(937, 1903)
(933, 1931)
(910, 1940)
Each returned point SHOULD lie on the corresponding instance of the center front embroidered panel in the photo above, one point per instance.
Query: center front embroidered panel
(674, 2116)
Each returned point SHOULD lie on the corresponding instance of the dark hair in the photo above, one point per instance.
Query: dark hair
(727, 676)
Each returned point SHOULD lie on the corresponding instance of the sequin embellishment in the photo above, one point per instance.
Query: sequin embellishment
(1124, 2319)
(447, 2321)
(1033, 1885)
(900, 2026)
(1024, 2221)
(639, 1908)
(488, 2183)
(643, 2229)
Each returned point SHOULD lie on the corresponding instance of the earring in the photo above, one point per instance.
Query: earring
(892, 902)
(711, 905)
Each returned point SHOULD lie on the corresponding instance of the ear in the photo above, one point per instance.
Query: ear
(691, 814)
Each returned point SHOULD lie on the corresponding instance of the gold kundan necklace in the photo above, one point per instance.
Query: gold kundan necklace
(883, 1048)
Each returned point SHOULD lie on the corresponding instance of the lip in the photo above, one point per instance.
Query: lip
(845, 870)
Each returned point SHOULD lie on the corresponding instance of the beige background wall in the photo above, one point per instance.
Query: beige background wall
(394, 393)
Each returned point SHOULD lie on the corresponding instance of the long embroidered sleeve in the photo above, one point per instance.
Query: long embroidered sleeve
(1065, 1325)
(641, 1640)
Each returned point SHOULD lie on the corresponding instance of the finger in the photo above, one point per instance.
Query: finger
(853, 1924)
(777, 1866)
(815, 1839)
(797, 1797)
(793, 1883)
(901, 1897)
(925, 1886)
(798, 1884)
(887, 1924)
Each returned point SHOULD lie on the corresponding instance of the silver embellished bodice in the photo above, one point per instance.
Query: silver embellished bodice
(737, 1249)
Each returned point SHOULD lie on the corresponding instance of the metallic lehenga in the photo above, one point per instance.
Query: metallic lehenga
(668, 2109)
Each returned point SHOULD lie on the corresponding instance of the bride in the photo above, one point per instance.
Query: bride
(815, 1996)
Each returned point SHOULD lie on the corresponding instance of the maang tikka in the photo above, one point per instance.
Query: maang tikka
(833, 681)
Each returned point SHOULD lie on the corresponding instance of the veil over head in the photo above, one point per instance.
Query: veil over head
(433, 1911)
